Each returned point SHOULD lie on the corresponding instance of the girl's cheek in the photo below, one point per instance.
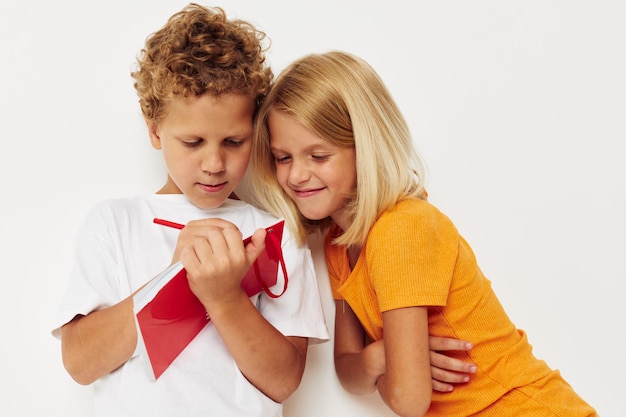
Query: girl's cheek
(281, 175)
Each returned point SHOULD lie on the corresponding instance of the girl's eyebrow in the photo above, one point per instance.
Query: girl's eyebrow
(307, 149)
(274, 151)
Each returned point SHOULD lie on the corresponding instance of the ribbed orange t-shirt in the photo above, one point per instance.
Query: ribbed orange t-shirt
(414, 256)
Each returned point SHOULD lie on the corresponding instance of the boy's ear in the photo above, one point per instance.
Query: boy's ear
(155, 139)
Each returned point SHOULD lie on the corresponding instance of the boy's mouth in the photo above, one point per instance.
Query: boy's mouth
(212, 188)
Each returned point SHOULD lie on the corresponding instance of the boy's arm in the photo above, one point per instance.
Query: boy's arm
(215, 265)
(98, 343)
(271, 361)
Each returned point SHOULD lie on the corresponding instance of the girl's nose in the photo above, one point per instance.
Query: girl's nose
(298, 173)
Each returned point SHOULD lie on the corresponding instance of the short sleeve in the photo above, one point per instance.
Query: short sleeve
(298, 312)
(92, 284)
(411, 254)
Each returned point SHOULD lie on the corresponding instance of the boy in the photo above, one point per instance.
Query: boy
(199, 81)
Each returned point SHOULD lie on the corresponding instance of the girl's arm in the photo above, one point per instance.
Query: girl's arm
(398, 366)
(358, 364)
(359, 370)
(406, 384)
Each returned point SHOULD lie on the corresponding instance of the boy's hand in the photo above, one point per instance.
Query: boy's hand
(197, 229)
(216, 263)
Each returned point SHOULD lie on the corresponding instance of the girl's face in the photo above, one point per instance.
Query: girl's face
(206, 143)
(317, 175)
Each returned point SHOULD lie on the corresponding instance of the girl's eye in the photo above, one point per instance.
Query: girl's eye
(320, 157)
(281, 159)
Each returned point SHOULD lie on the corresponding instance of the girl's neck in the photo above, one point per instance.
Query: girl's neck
(353, 255)
(342, 219)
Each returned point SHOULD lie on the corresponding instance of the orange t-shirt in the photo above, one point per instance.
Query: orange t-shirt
(414, 256)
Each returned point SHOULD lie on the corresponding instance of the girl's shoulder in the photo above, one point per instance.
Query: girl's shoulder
(412, 227)
(414, 210)
(413, 216)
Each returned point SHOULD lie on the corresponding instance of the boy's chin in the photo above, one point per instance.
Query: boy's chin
(207, 203)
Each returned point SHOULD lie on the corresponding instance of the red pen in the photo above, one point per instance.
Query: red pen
(168, 223)
(180, 226)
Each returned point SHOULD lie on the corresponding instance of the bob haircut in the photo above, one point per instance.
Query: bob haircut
(340, 97)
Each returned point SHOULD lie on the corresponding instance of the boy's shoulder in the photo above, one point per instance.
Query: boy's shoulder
(115, 211)
(119, 205)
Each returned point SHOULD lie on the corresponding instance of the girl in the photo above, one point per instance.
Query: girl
(332, 149)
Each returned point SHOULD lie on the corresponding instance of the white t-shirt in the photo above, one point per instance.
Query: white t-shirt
(119, 249)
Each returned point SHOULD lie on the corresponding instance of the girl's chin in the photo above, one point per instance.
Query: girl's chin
(314, 214)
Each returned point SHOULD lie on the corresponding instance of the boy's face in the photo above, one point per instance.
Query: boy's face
(206, 143)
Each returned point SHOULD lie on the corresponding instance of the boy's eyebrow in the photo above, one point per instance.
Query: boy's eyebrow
(224, 135)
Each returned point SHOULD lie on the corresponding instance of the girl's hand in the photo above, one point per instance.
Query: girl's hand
(446, 371)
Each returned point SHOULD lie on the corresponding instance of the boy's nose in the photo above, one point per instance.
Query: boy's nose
(213, 163)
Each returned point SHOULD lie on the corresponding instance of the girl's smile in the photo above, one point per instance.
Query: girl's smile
(317, 175)
(307, 192)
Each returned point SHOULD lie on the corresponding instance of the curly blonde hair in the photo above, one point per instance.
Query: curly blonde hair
(200, 51)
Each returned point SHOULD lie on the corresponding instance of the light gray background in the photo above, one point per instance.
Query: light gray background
(518, 107)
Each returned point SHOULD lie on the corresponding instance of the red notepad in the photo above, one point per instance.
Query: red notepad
(170, 320)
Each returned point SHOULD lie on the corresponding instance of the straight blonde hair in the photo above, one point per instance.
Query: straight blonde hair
(343, 100)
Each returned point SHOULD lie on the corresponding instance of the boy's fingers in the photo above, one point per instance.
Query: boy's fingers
(256, 245)
(212, 221)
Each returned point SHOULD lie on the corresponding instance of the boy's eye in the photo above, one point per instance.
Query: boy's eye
(192, 143)
(233, 142)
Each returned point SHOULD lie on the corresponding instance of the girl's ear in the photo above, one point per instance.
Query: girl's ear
(153, 132)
